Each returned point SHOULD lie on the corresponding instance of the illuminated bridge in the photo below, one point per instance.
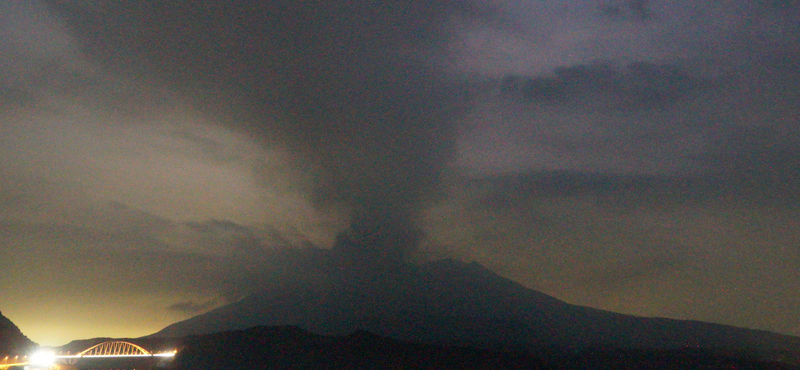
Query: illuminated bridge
(114, 353)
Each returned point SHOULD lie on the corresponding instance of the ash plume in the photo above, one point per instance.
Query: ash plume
(354, 89)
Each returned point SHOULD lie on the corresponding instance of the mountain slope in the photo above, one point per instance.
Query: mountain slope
(12, 341)
(449, 302)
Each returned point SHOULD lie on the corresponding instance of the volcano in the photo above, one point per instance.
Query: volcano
(450, 302)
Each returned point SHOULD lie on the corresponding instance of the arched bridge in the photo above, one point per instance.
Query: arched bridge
(114, 348)
(108, 350)
(117, 348)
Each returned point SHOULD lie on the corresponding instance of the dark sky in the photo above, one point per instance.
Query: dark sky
(160, 159)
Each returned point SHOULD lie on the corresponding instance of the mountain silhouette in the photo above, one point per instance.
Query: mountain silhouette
(449, 302)
(12, 341)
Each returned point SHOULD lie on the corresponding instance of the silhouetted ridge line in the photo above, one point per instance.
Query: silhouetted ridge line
(454, 303)
(12, 341)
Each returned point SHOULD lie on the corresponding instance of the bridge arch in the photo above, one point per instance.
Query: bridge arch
(114, 348)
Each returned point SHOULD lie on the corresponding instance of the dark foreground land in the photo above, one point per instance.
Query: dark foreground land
(293, 348)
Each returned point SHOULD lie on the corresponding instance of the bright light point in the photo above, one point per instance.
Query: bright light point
(43, 358)
(166, 354)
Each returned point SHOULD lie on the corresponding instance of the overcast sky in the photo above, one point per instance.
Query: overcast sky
(162, 160)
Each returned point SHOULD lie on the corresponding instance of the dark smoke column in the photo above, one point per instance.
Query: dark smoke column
(354, 88)
(376, 112)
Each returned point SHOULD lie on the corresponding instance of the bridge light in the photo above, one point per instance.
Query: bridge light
(166, 354)
(43, 358)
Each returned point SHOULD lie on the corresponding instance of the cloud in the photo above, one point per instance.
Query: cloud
(530, 38)
(638, 85)
(643, 117)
